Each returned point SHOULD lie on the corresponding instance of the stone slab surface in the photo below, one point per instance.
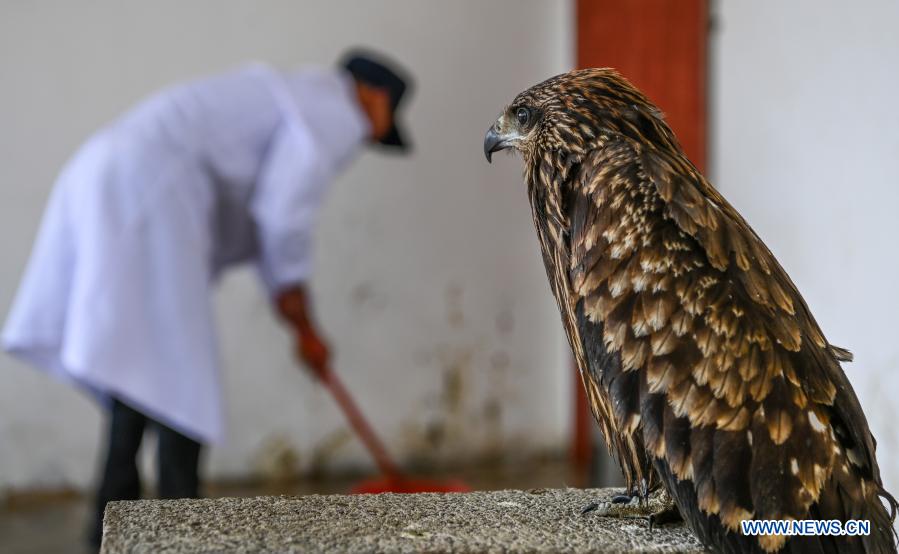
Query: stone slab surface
(538, 520)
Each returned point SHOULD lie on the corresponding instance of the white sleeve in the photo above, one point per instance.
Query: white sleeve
(285, 203)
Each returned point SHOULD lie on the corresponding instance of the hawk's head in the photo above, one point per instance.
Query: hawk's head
(569, 111)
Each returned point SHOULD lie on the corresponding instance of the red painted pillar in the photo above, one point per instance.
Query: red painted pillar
(660, 46)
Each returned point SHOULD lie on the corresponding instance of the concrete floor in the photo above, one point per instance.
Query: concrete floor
(49, 523)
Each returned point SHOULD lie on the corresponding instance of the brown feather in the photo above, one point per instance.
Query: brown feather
(732, 454)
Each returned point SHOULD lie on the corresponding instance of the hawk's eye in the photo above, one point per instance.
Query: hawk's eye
(523, 115)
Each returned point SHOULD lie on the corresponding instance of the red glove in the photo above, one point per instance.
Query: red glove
(310, 348)
(313, 350)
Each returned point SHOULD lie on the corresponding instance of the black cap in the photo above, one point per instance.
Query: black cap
(374, 70)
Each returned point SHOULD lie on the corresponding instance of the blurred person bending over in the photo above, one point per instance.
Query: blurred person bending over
(149, 212)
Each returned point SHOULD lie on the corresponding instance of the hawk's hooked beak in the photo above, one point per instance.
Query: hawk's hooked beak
(493, 142)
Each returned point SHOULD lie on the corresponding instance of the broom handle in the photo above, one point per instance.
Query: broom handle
(360, 424)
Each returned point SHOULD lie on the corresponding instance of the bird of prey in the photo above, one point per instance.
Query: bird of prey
(703, 365)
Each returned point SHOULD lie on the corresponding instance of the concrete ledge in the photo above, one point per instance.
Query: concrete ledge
(547, 520)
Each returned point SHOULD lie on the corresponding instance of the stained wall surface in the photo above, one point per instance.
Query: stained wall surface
(428, 283)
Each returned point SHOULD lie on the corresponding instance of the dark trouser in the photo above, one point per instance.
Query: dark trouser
(178, 459)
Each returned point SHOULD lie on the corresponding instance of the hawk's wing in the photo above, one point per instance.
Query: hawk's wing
(722, 367)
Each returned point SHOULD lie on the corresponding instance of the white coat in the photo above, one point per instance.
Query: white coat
(145, 216)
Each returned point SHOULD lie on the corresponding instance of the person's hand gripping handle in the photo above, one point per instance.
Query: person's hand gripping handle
(311, 349)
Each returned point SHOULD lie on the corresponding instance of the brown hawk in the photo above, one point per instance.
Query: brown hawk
(702, 362)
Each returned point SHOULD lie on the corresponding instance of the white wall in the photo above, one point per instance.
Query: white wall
(429, 282)
(806, 146)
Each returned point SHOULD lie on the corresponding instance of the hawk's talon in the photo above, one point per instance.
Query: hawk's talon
(655, 509)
